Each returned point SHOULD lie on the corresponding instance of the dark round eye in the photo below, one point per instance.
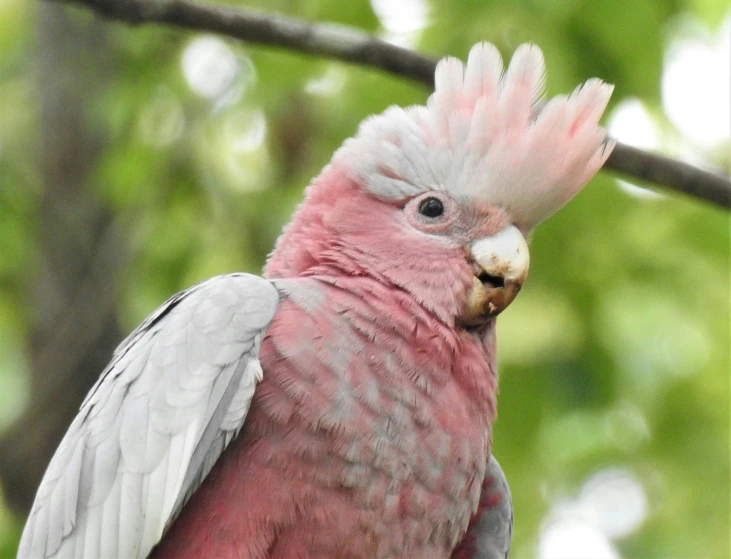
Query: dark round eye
(431, 207)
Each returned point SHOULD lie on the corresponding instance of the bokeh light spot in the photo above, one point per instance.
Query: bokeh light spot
(632, 124)
(329, 83)
(614, 500)
(161, 121)
(571, 538)
(403, 21)
(611, 504)
(696, 83)
(209, 66)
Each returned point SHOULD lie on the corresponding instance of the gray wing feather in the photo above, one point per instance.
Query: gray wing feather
(494, 530)
(175, 394)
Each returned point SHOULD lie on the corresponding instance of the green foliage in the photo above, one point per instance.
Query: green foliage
(615, 354)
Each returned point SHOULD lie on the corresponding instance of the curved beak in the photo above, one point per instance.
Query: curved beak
(500, 263)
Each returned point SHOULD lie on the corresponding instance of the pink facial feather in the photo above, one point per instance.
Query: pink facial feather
(487, 135)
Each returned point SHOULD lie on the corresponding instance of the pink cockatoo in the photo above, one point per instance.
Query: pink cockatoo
(342, 405)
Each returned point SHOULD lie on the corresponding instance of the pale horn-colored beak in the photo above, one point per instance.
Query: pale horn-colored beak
(500, 263)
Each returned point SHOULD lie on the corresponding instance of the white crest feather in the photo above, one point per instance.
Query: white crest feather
(487, 134)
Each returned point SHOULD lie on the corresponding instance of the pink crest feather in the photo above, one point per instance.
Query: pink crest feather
(487, 134)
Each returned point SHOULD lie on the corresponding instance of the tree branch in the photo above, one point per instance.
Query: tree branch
(351, 45)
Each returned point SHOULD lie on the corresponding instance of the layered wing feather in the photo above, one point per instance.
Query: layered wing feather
(176, 392)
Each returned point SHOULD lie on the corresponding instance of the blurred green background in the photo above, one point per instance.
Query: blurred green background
(137, 161)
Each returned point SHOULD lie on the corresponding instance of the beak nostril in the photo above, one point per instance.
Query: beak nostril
(490, 280)
(499, 265)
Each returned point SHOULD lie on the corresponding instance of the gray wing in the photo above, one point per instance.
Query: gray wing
(491, 530)
(175, 394)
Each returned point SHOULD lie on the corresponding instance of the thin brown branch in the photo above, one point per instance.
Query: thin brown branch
(351, 45)
(670, 173)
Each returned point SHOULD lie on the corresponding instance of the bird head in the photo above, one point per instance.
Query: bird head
(438, 199)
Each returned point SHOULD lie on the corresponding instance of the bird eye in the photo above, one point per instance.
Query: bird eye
(431, 207)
